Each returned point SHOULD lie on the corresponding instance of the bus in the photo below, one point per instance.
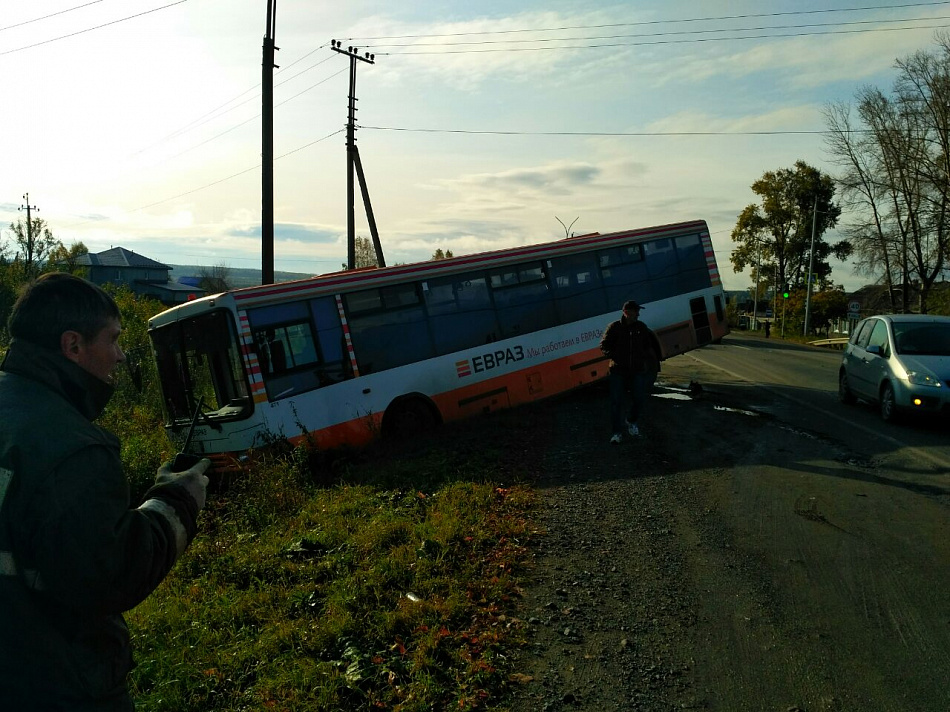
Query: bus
(346, 357)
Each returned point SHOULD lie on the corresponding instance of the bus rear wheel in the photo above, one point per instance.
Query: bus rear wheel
(409, 418)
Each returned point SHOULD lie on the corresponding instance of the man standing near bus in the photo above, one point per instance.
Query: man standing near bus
(634, 362)
(73, 555)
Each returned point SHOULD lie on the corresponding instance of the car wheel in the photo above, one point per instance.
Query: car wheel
(888, 405)
(844, 391)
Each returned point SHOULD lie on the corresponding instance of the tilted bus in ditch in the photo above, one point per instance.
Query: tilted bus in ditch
(351, 355)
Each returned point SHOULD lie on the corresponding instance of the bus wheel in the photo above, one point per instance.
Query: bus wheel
(409, 418)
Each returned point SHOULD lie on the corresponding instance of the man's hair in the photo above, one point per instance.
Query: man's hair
(58, 302)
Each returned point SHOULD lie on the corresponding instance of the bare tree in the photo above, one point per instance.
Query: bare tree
(896, 175)
(215, 279)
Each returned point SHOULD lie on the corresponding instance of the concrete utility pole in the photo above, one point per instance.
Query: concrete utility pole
(267, 146)
(811, 266)
(29, 228)
(353, 163)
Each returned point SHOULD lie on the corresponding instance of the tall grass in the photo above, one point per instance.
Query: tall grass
(368, 594)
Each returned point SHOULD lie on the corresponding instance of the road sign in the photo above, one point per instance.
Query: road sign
(854, 315)
(854, 306)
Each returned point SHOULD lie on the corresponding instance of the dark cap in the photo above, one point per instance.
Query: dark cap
(631, 305)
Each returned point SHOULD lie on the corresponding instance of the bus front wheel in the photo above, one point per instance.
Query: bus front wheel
(410, 418)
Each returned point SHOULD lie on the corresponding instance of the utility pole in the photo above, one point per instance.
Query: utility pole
(811, 266)
(29, 231)
(755, 299)
(353, 163)
(267, 146)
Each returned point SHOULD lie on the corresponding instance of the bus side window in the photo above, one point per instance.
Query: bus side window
(578, 291)
(522, 298)
(460, 312)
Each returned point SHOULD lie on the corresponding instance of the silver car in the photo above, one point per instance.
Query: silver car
(899, 361)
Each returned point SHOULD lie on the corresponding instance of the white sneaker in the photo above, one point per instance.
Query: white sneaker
(615, 438)
(633, 429)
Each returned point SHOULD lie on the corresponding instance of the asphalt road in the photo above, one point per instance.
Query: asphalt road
(799, 384)
(761, 547)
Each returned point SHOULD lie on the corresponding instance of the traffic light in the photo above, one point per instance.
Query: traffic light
(786, 291)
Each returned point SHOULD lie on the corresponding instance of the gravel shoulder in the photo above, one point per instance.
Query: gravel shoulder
(726, 561)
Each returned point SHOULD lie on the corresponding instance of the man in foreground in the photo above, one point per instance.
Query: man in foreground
(634, 362)
(73, 556)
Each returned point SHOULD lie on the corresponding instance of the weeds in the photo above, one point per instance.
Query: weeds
(391, 589)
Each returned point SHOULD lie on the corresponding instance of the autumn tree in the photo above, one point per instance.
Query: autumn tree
(34, 243)
(66, 259)
(365, 253)
(894, 154)
(774, 237)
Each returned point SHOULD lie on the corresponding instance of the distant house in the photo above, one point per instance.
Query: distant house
(141, 274)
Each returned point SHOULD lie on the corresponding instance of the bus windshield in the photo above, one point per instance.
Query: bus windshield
(198, 357)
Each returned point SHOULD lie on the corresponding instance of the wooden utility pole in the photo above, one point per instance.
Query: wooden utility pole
(29, 230)
(267, 147)
(353, 163)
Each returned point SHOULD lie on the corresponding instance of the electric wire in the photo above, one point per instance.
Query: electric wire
(97, 27)
(612, 45)
(235, 175)
(657, 22)
(665, 34)
(52, 14)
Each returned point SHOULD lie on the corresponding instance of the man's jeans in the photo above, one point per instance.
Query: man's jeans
(635, 385)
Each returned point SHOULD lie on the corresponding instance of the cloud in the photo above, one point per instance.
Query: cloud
(289, 231)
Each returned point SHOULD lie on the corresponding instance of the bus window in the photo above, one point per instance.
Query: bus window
(286, 352)
(334, 366)
(393, 334)
(660, 259)
(460, 312)
(523, 300)
(199, 357)
(578, 291)
(693, 270)
(624, 274)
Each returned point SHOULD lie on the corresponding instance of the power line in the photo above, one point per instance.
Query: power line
(665, 42)
(655, 22)
(607, 133)
(46, 17)
(90, 29)
(664, 34)
(235, 175)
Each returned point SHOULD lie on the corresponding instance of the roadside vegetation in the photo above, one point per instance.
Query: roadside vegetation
(376, 579)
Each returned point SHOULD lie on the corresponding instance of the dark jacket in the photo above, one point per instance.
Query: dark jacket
(631, 347)
(73, 556)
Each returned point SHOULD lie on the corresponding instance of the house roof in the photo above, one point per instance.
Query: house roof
(119, 257)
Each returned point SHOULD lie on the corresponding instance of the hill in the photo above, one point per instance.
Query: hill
(237, 276)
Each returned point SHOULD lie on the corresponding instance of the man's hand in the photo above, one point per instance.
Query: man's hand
(193, 479)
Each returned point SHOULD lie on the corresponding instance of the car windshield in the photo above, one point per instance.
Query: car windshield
(922, 339)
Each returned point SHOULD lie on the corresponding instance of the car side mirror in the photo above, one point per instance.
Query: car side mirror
(876, 350)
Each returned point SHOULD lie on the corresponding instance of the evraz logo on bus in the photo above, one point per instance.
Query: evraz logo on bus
(488, 361)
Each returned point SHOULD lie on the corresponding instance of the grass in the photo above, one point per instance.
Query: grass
(384, 579)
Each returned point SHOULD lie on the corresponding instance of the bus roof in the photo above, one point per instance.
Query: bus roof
(382, 276)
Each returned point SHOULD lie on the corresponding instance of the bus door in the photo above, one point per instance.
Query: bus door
(700, 316)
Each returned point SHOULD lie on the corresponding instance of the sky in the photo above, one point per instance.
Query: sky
(482, 125)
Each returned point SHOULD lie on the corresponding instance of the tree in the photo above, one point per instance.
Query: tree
(896, 175)
(440, 255)
(215, 279)
(365, 253)
(66, 259)
(34, 243)
(775, 238)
